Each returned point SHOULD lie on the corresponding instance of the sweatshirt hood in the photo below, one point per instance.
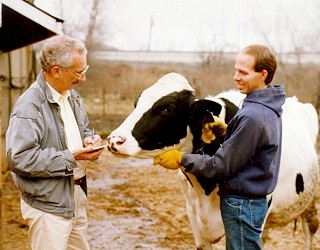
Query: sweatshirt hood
(272, 97)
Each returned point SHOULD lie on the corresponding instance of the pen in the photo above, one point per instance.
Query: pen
(92, 136)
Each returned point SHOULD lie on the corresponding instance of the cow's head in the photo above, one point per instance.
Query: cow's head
(167, 116)
(159, 120)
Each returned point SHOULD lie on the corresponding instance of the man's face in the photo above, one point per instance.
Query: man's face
(70, 77)
(246, 78)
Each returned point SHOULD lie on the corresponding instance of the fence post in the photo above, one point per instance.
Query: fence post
(0, 178)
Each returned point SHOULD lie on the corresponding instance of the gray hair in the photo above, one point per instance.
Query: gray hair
(59, 51)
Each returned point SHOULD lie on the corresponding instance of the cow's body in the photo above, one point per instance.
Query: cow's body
(168, 116)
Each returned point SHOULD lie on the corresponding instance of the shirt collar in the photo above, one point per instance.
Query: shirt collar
(56, 95)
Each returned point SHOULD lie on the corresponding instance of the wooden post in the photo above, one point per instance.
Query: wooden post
(0, 177)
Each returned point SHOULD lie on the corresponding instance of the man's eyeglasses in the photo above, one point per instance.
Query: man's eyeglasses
(78, 74)
(81, 74)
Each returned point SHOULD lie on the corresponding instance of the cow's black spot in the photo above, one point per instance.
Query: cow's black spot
(299, 184)
(270, 202)
(207, 184)
(201, 112)
(165, 123)
(231, 109)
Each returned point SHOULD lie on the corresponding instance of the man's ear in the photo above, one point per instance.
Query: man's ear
(264, 74)
(55, 71)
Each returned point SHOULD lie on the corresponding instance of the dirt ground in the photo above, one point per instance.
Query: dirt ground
(132, 205)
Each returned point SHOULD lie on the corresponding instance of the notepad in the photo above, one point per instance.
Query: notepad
(99, 147)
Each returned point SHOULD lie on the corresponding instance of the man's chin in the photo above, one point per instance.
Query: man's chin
(242, 90)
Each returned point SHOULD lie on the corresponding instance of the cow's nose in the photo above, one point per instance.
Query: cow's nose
(114, 142)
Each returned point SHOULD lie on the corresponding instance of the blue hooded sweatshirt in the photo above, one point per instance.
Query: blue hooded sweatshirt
(247, 164)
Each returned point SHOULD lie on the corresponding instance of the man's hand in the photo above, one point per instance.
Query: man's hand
(92, 141)
(169, 160)
(213, 129)
(86, 153)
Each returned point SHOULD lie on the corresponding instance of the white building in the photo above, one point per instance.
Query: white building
(21, 24)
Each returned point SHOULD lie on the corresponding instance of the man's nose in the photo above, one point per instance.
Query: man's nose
(82, 78)
(236, 77)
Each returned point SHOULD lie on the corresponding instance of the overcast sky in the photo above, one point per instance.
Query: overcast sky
(197, 25)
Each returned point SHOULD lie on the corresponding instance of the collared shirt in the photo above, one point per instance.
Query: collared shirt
(73, 136)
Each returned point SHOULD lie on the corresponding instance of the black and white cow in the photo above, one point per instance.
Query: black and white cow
(168, 116)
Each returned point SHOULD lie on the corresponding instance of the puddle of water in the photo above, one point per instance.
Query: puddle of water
(105, 183)
(120, 231)
(123, 233)
(134, 163)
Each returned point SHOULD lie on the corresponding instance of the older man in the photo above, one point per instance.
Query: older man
(47, 141)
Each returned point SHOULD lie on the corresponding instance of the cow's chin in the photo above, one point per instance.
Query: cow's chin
(138, 153)
(142, 154)
(119, 155)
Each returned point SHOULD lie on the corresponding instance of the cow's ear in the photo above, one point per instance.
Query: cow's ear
(202, 111)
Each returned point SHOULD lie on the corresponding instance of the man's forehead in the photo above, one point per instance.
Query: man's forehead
(244, 60)
(79, 61)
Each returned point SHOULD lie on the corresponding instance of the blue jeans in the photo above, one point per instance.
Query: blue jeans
(243, 220)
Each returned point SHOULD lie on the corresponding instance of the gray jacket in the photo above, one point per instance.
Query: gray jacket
(41, 164)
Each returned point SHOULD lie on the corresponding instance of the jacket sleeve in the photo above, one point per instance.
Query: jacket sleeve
(24, 153)
(235, 153)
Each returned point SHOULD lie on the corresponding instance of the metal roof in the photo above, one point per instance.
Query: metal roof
(22, 24)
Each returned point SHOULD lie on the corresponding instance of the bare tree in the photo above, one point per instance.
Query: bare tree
(82, 24)
(314, 45)
(92, 23)
(299, 76)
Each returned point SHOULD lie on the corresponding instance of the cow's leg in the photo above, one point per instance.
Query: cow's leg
(307, 235)
(310, 224)
(191, 198)
(201, 244)
(265, 231)
(265, 236)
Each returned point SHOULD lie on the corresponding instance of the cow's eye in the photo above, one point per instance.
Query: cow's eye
(168, 110)
(163, 110)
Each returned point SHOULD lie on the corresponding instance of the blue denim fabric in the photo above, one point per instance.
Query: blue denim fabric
(243, 220)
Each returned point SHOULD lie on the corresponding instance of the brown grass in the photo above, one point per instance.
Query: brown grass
(121, 82)
(125, 80)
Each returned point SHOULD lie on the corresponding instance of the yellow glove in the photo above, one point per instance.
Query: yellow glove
(213, 129)
(170, 159)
